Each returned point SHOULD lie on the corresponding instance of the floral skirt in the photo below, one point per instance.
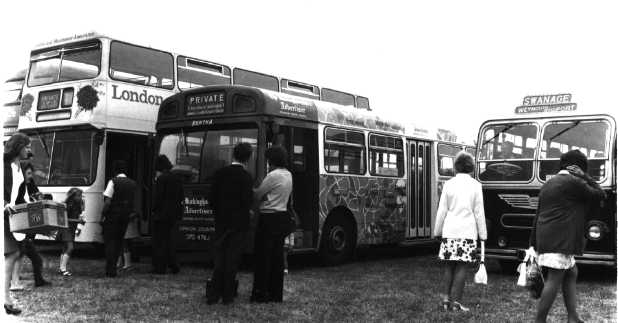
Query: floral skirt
(456, 249)
(556, 260)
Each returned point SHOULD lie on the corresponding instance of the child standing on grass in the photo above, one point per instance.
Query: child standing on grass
(124, 261)
(75, 207)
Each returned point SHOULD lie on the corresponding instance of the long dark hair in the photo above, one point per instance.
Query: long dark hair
(14, 145)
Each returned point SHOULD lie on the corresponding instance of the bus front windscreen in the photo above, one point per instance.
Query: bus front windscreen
(69, 63)
(64, 158)
(506, 152)
(591, 137)
(197, 155)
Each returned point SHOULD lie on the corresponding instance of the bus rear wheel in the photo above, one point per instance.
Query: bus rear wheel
(338, 241)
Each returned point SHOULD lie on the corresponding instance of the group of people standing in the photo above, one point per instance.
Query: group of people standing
(118, 219)
(557, 235)
(232, 198)
(119, 214)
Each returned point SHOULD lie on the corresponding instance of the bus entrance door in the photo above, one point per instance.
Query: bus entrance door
(134, 150)
(419, 189)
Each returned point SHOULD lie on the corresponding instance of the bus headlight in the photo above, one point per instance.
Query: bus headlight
(502, 241)
(596, 230)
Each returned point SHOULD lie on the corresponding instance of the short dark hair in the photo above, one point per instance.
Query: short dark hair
(119, 167)
(574, 157)
(14, 145)
(242, 152)
(277, 156)
(163, 163)
(464, 163)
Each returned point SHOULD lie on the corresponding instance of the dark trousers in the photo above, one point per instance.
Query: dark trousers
(227, 257)
(268, 271)
(113, 234)
(164, 246)
(28, 249)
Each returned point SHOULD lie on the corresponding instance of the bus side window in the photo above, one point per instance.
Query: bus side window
(344, 151)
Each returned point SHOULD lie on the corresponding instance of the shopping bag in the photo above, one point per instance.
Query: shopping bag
(522, 269)
(534, 279)
(481, 275)
(521, 280)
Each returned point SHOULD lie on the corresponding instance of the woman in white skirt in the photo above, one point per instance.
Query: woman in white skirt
(460, 221)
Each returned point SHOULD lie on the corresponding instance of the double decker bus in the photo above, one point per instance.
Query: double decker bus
(11, 101)
(358, 179)
(90, 99)
(516, 156)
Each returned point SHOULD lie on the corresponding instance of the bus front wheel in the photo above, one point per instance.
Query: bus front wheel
(338, 241)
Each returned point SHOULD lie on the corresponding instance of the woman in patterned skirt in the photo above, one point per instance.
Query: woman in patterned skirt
(460, 221)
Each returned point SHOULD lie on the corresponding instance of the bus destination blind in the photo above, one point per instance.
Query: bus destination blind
(205, 104)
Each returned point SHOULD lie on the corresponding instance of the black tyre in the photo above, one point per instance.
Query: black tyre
(338, 241)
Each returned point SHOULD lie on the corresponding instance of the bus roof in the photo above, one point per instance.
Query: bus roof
(542, 117)
(206, 103)
(69, 39)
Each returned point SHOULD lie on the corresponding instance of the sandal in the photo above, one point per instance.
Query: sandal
(445, 304)
(456, 306)
(16, 288)
(65, 273)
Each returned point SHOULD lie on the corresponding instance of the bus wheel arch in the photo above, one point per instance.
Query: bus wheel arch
(339, 236)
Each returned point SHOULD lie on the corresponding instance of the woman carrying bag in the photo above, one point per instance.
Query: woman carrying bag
(460, 221)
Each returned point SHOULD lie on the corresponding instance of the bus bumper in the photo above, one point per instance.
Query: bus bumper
(589, 258)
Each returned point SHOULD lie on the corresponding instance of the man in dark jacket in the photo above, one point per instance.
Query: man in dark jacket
(167, 211)
(231, 198)
(558, 233)
(119, 203)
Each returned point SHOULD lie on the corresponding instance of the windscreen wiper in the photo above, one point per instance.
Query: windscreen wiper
(575, 124)
(44, 145)
(508, 127)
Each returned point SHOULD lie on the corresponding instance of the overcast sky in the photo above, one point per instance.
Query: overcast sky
(449, 64)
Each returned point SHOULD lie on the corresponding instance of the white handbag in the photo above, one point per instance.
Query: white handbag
(481, 275)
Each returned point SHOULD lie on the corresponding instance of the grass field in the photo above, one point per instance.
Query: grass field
(382, 285)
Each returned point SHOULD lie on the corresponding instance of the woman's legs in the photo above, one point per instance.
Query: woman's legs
(459, 281)
(553, 281)
(570, 294)
(126, 253)
(66, 254)
(15, 284)
(449, 271)
(9, 265)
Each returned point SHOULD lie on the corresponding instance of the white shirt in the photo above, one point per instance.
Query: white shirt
(276, 186)
(461, 213)
(109, 189)
(18, 178)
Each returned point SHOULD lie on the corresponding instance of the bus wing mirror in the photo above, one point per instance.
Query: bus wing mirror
(99, 137)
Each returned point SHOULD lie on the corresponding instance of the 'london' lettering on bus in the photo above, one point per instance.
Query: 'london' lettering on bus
(134, 96)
